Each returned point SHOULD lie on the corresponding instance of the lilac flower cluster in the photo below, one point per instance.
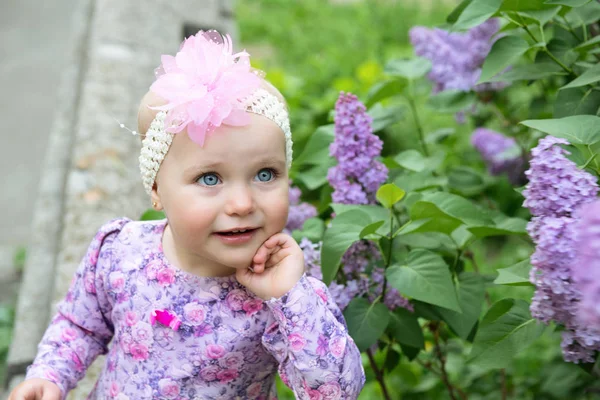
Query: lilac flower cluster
(299, 212)
(457, 58)
(355, 180)
(342, 294)
(586, 266)
(357, 176)
(501, 154)
(556, 186)
(555, 190)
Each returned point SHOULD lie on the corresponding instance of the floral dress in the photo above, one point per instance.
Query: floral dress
(173, 335)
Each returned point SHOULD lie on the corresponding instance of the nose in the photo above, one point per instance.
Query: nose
(240, 201)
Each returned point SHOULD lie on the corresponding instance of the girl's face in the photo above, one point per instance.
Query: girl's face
(237, 180)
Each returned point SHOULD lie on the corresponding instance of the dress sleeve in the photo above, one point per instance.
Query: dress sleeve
(309, 338)
(81, 328)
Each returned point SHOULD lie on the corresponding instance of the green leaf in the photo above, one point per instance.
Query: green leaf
(451, 101)
(389, 194)
(344, 230)
(515, 275)
(312, 229)
(471, 294)
(505, 51)
(413, 160)
(427, 240)
(408, 68)
(568, 3)
(449, 211)
(529, 72)
(577, 101)
(584, 15)
(475, 13)
(370, 229)
(392, 359)
(505, 330)
(366, 322)
(410, 352)
(439, 135)
(424, 276)
(540, 17)
(589, 44)
(523, 5)
(590, 76)
(577, 129)
(420, 181)
(405, 328)
(150, 215)
(502, 226)
(316, 176)
(317, 148)
(385, 116)
(375, 212)
(466, 181)
(453, 17)
(384, 90)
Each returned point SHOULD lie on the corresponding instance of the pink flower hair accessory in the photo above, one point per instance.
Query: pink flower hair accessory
(204, 84)
(166, 318)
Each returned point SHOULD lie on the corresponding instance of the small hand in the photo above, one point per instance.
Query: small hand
(36, 389)
(276, 267)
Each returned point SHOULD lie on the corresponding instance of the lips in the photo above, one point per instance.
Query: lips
(236, 238)
(235, 231)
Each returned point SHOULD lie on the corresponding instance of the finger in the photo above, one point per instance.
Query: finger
(279, 239)
(51, 393)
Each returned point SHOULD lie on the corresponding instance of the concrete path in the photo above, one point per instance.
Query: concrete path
(34, 41)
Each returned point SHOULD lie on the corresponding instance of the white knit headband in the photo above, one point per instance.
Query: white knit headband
(157, 141)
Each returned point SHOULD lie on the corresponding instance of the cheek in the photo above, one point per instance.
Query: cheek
(276, 208)
(189, 219)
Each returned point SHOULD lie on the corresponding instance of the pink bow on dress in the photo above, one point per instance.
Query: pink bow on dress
(165, 317)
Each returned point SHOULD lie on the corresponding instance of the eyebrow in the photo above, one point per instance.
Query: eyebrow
(279, 162)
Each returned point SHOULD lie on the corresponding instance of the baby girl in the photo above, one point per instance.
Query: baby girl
(213, 301)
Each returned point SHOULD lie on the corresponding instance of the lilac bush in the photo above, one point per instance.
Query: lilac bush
(500, 153)
(556, 189)
(457, 57)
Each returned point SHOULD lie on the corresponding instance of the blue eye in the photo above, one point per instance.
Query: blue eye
(265, 175)
(209, 179)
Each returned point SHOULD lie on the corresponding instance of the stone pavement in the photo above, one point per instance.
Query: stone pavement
(90, 172)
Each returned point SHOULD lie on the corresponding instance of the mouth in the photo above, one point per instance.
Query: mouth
(236, 231)
(238, 236)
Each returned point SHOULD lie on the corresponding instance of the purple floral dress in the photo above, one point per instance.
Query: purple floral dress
(227, 343)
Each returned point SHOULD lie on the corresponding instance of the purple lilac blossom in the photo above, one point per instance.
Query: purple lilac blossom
(341, 293)
(457, 57)
(500, 153)
(556, 189)
(355, 180)
(299, 212)
(556, 186)
(358, 175)
(586, 266)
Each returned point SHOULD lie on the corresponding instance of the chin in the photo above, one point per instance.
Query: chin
(239, 262)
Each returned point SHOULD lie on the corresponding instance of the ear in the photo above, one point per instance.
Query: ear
(155, 197)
